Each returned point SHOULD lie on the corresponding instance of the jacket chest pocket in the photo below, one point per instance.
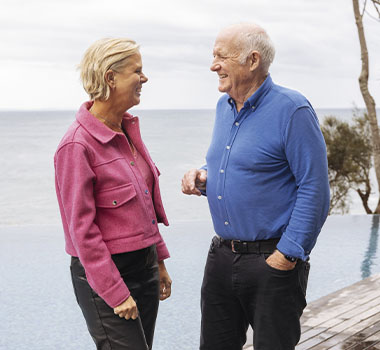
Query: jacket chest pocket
(115, 197)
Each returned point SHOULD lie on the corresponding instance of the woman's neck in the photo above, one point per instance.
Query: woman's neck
(107, 115)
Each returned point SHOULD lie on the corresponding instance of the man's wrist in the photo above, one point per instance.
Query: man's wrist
(290, 258)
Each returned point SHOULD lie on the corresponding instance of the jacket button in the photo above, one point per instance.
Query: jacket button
(146, 191)
(132, 163)
(153, 222)
(114, 202)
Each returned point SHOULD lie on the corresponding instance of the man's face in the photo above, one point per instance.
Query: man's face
(234, 77)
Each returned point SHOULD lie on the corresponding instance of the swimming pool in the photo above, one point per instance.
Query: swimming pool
(38, 305)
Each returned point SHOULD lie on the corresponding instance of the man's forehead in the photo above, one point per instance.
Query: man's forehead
(225, 45)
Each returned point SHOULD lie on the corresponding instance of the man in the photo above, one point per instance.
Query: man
(268, 193)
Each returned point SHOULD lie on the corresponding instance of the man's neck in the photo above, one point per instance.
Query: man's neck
(245, 95)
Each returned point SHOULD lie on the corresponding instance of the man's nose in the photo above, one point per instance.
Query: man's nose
(215, 66)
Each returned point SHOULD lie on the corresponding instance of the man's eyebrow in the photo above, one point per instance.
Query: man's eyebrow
(218, 51)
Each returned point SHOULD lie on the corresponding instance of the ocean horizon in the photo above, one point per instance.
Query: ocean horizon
(177, 140)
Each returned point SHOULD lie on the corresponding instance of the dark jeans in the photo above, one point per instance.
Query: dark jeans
(139, 270)
(239, 290)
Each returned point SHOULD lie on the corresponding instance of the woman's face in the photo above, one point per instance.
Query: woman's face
(128, 83)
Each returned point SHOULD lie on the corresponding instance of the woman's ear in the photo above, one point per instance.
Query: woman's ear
(110, 78)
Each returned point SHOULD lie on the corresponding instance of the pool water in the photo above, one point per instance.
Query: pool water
(39, 311)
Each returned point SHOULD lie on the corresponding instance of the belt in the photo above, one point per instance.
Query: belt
(245, 247)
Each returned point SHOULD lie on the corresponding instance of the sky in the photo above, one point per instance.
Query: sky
(317, 48)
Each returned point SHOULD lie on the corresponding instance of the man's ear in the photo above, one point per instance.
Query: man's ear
(110, 78)
(254, 60)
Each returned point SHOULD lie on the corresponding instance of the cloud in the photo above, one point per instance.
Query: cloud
(42, 41)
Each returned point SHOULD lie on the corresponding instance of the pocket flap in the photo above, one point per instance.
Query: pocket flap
(115, 197)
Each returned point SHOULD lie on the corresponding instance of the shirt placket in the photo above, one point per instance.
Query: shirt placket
(147, 196)
(237, 121)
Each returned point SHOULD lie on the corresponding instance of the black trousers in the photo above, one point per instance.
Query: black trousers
(139, 270)
(239, 290)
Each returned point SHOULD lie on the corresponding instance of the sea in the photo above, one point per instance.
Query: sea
(38, 308)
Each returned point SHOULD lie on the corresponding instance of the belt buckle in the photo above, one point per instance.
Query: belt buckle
(237, 245)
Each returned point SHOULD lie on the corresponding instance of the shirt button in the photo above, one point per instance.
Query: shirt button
(146, 191)
(153, 222)
(219, 197)
(132, 163)
(114, 202)
(228, 147)
(226, 223)
(253, 107)
(237, 123)
(222, 171)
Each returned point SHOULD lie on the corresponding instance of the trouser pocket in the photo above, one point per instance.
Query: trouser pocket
(303, 275)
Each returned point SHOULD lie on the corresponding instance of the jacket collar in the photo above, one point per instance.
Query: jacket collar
(95, 127)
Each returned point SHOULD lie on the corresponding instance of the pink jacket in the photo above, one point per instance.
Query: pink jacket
(104, 203)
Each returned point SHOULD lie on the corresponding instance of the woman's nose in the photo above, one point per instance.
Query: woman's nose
(143, 78)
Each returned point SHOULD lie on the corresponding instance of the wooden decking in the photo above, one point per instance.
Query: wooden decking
(347, 319)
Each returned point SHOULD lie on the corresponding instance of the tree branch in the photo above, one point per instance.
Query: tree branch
(364, 6)
(375, 3)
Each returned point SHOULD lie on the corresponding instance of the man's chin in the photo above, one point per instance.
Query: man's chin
(222, 89)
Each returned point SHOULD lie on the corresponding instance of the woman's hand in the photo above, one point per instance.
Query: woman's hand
(127, 309)
(165, 281)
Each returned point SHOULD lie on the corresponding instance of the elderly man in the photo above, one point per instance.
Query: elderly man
(268, 193)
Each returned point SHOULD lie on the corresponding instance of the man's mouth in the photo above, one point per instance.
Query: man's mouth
(222, 76)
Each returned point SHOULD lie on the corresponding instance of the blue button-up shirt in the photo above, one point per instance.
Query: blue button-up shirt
(267, 170)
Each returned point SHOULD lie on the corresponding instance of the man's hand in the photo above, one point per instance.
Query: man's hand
(278, 261)
(165, 281)
(127, 309)
(194, 179)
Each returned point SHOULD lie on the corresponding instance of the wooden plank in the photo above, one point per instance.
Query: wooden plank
(356, 332)
(333, 321)
(348, 319)
(325, 334)
(336, 304)
(363, 340)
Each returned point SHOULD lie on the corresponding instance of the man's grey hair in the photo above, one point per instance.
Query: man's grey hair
(251, 37)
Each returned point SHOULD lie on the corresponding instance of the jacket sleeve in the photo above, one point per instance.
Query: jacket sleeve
(75, 186)
(162, 250)
(305, 151)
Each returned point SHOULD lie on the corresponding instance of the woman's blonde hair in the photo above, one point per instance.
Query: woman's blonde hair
(101, 56)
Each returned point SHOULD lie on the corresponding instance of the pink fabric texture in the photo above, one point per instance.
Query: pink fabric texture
(145, 170)
(105, 205)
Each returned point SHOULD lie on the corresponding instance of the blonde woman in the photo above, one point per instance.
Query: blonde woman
(109, 198)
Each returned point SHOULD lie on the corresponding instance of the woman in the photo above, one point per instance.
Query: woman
(110, 203)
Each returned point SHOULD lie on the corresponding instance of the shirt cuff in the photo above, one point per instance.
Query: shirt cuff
(289, 247)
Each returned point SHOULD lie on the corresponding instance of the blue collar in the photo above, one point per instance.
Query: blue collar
(254, 100)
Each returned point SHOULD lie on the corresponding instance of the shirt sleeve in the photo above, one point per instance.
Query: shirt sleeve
(204, 192)
(306, 154)
(75, 184)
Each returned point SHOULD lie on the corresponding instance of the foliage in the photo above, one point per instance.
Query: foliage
(349, 153)
(367, 97)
